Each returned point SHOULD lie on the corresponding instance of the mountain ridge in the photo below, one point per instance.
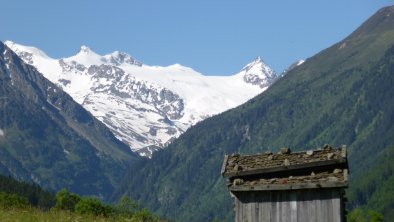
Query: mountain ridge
(146, 106)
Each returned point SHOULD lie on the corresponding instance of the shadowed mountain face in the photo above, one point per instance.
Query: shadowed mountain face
(342, 95)
(46, 137)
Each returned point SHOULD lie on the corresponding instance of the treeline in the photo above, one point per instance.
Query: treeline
(34, 194)
(43, 205)
(91, 206)
(359, 215)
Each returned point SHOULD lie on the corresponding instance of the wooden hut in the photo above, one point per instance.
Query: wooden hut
(288, 187)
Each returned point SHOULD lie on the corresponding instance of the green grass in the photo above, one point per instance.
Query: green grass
(34, 214)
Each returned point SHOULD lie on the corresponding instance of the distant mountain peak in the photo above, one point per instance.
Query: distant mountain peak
(26, 52)
(85, 49)
(258, 59)
(86, 56)
(257, 62)
(258, 73)
(118, 58)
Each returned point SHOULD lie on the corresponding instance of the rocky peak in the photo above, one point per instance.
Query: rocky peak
(258, 73)
(119, 58)
(84, 49)
(256, 62)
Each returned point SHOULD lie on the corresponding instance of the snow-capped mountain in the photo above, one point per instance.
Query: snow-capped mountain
(258, 73)
(146, 106)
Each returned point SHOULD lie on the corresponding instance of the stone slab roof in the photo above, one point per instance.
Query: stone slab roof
(326, 179)
(321, 168)
(237, 165)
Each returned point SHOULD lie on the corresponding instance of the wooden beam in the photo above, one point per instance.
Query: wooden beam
(345, 174)
(224, 164)
(343, 152)
(298, 186)
(283, 168)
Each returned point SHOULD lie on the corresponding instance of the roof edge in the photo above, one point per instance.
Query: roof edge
(299, 186)
(224, 165)
(284, 168)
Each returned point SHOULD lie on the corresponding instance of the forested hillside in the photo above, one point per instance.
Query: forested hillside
(343, 95)
(32, 192)
(49, 139)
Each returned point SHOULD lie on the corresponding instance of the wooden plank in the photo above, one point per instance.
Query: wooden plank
(298, 186)
(257, 205)
(319, 216)
(224, 165)
(285, 168)
(242, 212)
(325, 206)
(343, 207)
(277, 207)
(266, 212)
(246, 212)
(262, 209)
(311, 197)
(293, 206)
(249, 207)
(305, 205)
(300, 207)
(329, 208)
(274, 208)
(285, 207)
(236, 210)
(336, 204)
(280, 206)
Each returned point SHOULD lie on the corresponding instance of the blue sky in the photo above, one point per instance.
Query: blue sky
(215, 37)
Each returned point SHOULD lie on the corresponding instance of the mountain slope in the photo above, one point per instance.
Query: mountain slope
(46, 137)
(146, 106)
(343, 95)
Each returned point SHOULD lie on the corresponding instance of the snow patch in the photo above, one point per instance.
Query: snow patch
(2, 132)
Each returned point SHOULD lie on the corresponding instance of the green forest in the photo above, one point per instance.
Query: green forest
(21, 201)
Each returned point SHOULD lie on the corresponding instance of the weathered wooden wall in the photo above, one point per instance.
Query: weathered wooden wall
(315, 205)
